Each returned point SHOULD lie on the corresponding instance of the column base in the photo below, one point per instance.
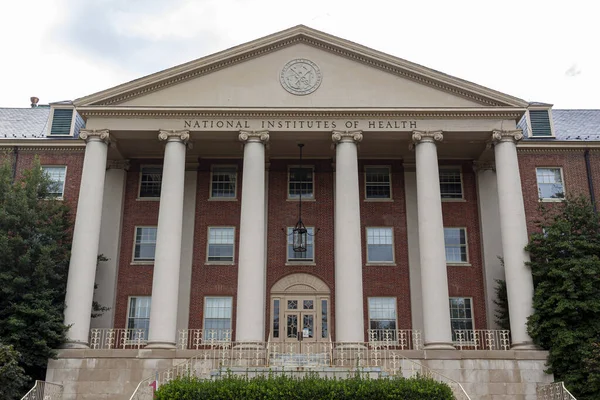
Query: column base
(75, 345)
(524, 346)
(161, 345)
(439, 346)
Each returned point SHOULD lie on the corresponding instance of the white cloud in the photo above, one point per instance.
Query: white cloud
(64, 49)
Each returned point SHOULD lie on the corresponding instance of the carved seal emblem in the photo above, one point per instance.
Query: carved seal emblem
(300, 77)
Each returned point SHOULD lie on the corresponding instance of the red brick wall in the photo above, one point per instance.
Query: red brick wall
(574, 173)
(467, 281)
(213, 280)
(133, 279)
(388, 280)
(72, 159)
(283, 213)
(378, 281)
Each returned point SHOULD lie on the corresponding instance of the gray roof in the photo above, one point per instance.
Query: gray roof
(23, 123)
(571, 125)
(576, 124)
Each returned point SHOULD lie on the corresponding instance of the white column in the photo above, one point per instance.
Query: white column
(437, 332)
(519, 282)
(349, 321)
(250, 312)
(86, 237)
(167, 260)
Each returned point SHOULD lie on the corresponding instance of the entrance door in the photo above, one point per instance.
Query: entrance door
(300, 319)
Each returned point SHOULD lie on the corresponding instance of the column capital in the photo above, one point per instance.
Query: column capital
(102, 135)
(168, 134)
(427, 136)
(507, 136)
(346, 136)
(254, 136)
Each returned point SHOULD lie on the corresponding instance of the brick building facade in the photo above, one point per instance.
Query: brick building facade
(410, 184)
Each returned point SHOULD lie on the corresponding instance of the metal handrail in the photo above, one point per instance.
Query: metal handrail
(44, 390)
(554, 391)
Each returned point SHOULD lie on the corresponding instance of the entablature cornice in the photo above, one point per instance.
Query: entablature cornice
(509, 113)
(558, 147)
(43, 144)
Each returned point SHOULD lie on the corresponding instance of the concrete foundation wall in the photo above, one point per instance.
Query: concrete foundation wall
(114, 374)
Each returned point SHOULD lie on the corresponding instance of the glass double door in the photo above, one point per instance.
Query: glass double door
(300, 318)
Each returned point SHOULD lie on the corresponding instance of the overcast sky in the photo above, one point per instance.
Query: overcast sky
(546, 51)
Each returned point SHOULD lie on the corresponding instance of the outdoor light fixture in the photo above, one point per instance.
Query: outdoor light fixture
(300, 233)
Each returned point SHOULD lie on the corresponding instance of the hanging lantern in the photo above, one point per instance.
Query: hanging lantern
(299, 237)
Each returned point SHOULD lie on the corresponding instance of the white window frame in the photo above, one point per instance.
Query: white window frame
(395, 302)
(212, 168)
(393, 261)
(139, 192)
(303, 261)
(127, 317)
(204, 328)
(143, 261)
(472, 313)
(389, 169)
(64, 183)
(462, 184)
(562, 178)
(466, 246)
(287, 188)
(208, 245)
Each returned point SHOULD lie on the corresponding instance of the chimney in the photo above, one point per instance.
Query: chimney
(34, 101)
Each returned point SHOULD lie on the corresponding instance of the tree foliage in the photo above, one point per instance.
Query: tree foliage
(35, 239)
(12, 376)
(501, 313)
(565, 265)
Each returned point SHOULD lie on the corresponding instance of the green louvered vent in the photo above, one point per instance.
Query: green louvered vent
(61, 122)
(540, 123)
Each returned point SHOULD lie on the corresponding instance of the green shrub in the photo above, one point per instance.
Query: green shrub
(307, 388)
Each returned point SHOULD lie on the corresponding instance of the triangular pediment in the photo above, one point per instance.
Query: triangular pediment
(305, 68)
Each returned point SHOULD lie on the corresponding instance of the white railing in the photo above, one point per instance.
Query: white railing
(198, 338)
(404, 339)
(117, 338)
(391, 339)
(554, 391)
(44, 391)
(482, 339)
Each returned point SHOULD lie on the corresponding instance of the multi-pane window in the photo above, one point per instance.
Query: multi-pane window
(300, 180)
(461, 314)
(450, 183)
(380, 245)
(57, 180)
(382, 318)
(220, 244)
(139, 315)
(550, 183)
(308, 255)
(223, 182)
(377, 183)
(217, 318)
(150, 181)
(456, 245)
(145, 243)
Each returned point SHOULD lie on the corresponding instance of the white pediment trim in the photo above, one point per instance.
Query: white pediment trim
(312, 37)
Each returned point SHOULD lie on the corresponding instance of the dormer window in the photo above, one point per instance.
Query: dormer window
(62, 119)
(540, 123)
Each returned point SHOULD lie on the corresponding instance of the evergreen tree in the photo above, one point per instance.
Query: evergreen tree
(35, 239)
(566, 270)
